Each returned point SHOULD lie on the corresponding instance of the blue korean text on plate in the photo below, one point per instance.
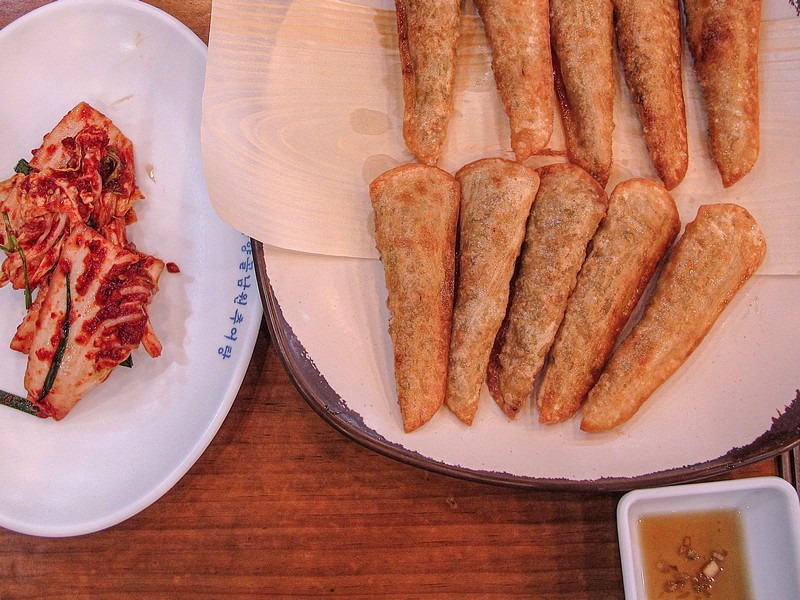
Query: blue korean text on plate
(237, 316)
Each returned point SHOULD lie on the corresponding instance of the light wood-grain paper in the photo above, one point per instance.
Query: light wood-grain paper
(303, 108)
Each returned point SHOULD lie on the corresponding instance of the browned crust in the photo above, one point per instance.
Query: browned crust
(416, 215)
(568, 207)
(428, 32)
(582, 38)
(723, 39)
(719, 251)
(641, 223)
(519, 34)
(649, 41)
(496, 199)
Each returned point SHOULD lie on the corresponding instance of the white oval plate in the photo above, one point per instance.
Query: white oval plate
(133, 437)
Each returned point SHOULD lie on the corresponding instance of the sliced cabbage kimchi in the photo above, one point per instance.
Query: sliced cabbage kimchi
(64, 233)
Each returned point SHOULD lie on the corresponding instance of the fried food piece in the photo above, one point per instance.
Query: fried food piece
(717, 254)
(496, 199)
(649, 41)
(723, 38)
(641, 223)
(428, 32)
(565, 215)
(416, 216)
(582, 38)
(519, 34)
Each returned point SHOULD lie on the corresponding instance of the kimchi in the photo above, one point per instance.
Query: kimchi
(65, 214)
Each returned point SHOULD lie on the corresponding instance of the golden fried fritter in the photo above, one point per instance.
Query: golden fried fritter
(582, 38)
(716, 255)
(428, 32)
(565, 215)
(649, 41)
(519, 34)
(496, 199)
(416, 217)
(641, 223)
(723, 38)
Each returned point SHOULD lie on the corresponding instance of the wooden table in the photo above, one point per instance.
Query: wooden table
(280, 504)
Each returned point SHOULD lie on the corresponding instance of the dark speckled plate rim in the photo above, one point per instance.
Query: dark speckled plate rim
(782, 435)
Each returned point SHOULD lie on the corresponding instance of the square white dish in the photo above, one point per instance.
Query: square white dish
(770, 519)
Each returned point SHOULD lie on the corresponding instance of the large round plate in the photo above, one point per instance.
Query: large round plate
(129, 440)
(305, 98)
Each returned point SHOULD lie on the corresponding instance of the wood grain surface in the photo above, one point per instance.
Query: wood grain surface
(280, 505)
(306, 97)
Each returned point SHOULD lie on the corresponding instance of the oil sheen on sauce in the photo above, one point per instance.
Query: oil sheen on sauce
(677, 547)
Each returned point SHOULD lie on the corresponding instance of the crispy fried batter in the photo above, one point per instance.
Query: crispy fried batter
(582, 38)
(496, 199)
(565, 214)
(723, 38)
(649, 41)
(717, 254)
(416, 215)
(519, 34)
(641, 223)
(428, 32)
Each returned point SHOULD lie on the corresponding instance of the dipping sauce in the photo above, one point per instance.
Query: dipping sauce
(694, 556)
